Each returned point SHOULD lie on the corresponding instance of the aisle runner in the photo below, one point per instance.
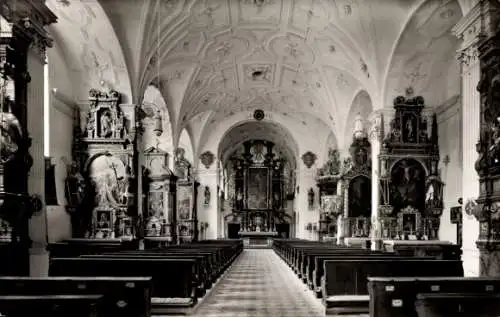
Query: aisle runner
(259, 284)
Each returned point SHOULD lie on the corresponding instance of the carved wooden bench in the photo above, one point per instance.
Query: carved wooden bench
(350, 277)
(123, 296)
(397, 296)
(51, 305)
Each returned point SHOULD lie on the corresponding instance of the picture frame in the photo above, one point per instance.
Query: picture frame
(409, 221)
(103, 220)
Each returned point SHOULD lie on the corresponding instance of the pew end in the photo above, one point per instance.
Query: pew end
(346, 304)
(457, 305)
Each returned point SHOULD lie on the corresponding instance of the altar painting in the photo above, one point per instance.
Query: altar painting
(184, 196)
(257, 188)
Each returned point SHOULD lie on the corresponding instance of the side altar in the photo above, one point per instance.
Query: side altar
(411, 187)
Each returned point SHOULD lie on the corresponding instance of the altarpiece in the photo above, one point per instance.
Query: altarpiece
(101, 184)
(411, 201)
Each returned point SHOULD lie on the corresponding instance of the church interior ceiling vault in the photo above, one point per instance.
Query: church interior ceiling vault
(301, 61)
(285, 143)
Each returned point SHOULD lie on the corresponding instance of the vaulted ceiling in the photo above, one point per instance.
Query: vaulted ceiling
(303, 61)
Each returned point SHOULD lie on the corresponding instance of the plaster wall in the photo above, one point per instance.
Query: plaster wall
(449, 125)
(61, 135)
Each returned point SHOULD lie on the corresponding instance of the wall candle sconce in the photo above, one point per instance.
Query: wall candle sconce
(310, 198)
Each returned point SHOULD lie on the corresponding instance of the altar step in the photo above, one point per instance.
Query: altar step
(257, 246)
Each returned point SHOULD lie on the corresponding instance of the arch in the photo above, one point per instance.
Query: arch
(269, 131)
(303, 137)
(330, 143)
(361, 105)
(186, 143)
(91, 47)
(154, 104)
(423, 49)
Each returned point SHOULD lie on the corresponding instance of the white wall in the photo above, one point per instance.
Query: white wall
(449, 126)
(61, 129)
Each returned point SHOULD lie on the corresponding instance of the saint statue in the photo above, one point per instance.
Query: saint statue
(75, 185)
(106, 124)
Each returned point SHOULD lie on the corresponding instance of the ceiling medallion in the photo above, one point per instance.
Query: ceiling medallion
(258, 114)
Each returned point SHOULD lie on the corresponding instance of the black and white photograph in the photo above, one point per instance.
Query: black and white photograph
(250, 158)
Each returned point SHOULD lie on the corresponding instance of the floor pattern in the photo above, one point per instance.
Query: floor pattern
(260, 284)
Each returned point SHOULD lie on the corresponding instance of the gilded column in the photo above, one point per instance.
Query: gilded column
(469, 31)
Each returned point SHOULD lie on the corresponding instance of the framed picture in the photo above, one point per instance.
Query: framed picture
(103, 223)
(456, 214)
(409, 221)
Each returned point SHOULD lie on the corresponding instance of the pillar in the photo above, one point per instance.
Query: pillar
(29, 43)
(468, 30)
(208, 213)
(39, 258)
(306, 179)
(375, 135)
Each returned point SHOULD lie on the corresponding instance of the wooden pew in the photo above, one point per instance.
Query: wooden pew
(308, 263)
(51, 305)
(75, 247)
(457, 305)
(397, 296)
(318, 271)
(344, 284)
(204, 280)
(127, 297)
(174, 280)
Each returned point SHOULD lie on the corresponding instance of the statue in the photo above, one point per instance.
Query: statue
(332, 166)
(90, 125)
(310, 198)
(181, 164)
(11, 136)
(207, 195)
(75, 185)
(106, 124)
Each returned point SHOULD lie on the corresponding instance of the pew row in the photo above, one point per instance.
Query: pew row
(344, 284)
(128, 297)
(51, 305)
(181, 275)
(434, 296)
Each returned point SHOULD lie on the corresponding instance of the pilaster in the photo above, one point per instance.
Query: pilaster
(306, 180)
(208, 213)
(27, 53)
(471, 29)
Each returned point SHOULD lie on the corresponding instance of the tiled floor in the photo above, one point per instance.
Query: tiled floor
(260, 284)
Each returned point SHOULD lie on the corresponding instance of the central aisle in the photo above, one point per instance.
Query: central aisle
(260, 284)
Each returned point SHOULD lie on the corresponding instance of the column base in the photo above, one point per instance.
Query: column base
(39, 261)
(377, 244)
(470, 260)
(489, 257)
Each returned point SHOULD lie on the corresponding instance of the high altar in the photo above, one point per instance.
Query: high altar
(258, 201)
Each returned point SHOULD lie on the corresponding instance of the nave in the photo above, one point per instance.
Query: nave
(259, 284)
